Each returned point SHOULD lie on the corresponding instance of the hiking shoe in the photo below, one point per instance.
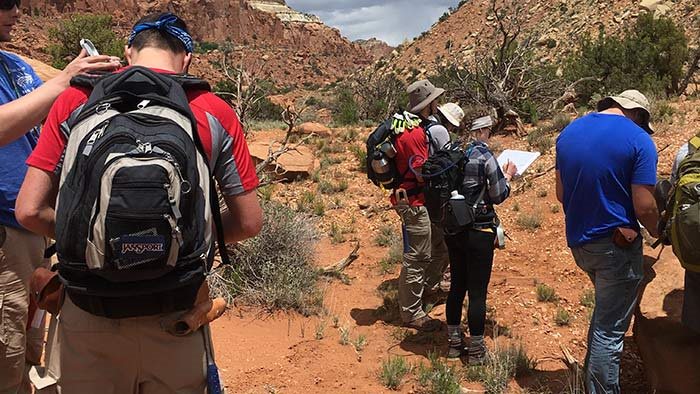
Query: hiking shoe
(425, 324)
(456, 349)
(477, 353)
(455, 352)
(433, 299)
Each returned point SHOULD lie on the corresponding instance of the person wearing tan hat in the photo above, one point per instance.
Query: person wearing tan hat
(425, 256)
(423, 101)
(606, 171)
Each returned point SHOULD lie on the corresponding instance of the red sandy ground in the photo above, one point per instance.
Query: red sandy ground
(262, 353)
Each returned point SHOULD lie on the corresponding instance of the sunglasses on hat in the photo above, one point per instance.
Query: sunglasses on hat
(9, 4)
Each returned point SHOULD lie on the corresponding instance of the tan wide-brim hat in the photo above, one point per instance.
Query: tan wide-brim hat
(422, 93)
(453, 113)
(629, 99)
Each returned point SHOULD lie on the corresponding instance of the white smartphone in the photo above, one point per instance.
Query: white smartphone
(89, 47)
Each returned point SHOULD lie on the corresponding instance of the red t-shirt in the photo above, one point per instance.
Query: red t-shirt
(411, 146)
(217, 125)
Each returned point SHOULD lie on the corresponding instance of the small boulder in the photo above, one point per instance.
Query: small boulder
(297, 163)
(313, 128)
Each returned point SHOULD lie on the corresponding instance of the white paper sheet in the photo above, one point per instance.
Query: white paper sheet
(521, 159)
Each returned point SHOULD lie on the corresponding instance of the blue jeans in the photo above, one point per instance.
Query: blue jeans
(616, 275)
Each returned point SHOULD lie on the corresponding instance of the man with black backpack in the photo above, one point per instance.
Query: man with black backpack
(131, 159)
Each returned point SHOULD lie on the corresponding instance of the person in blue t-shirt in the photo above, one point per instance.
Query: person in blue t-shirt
(24, 103)
(606, 171)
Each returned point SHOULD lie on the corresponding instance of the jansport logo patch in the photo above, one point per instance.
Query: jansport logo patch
(140, 247)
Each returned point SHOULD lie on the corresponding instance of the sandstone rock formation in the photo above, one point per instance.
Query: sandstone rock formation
(376, 48)
(292, 48)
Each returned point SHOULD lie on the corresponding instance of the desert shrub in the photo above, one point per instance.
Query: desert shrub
(541, 140)
(266, 192)
(336, 234)
(370, 97)
(305, 202)
(327, 187)
(345, 109)
(320, 330)
(560, 121)
(503, 365)
(529, 221)
(438, 377)
(360, 342)
(386, 235)
(265, 109)
(344, 336)
(66, 35)
(588, 298)
(319, 207)
(562, 317)
(275, 269)
(545, 293)
(661, 111)
(265, 125)
(393, 372)
(205, 46)
(361, 156)
(649, 56)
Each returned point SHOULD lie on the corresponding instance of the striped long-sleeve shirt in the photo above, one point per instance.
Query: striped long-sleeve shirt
(481, 170)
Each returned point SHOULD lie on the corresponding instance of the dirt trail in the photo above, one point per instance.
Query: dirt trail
(259, 353)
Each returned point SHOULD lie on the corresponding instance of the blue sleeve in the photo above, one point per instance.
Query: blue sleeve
(645, 161)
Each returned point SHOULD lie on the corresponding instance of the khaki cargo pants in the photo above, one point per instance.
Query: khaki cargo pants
(20, 253)
(91, 354)
(425, 259)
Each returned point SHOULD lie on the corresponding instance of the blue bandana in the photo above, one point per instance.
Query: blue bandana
(166, 23)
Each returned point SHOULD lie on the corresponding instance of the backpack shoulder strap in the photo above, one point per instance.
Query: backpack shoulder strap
(88, 81)
(190, 82)
(431, 140)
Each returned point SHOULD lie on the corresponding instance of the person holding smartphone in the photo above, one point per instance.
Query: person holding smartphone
(24, 103)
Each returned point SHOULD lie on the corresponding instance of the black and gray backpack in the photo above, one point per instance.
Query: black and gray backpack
(136, 206)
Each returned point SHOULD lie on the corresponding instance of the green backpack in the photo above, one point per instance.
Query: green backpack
(685, 220)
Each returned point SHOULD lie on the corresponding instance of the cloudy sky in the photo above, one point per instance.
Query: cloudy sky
(389, 20)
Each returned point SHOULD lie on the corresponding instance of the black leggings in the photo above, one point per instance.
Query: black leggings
(471, 260)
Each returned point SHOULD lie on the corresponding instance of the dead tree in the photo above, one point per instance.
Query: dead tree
(377, 94)
(508, 76)
(244, 87)
(290, 116)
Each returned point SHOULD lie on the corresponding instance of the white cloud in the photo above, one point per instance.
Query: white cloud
(391, 20)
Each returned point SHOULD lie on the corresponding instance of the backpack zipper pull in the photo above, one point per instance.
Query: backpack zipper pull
(93, 138)
(176, 233)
